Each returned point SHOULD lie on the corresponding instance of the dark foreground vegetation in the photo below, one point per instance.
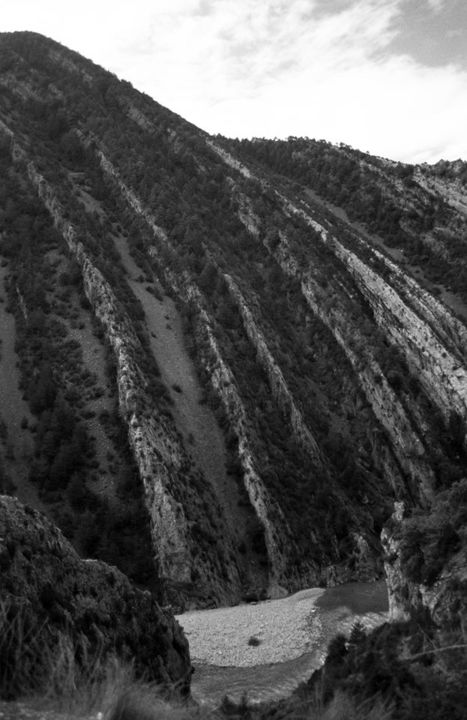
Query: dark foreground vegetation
(398, 672)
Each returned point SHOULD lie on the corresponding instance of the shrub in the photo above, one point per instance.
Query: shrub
(144, 702)
(254, 641)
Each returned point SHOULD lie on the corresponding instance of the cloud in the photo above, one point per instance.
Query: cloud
(437, 5)
(328, 69)
(434, 32)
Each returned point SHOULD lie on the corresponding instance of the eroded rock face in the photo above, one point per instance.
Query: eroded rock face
(160, 456)
(279, 387)
(399, 608)
(150, 439)
(90, 603)
(444, 600)
(277, 534)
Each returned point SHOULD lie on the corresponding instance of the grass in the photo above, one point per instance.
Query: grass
(308, 707)
(144, 702)
(54, 671)
(139, 702)
(344, 707)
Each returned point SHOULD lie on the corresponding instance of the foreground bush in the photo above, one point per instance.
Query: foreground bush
(59, 612)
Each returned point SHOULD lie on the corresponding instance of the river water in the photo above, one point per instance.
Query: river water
(265, 650)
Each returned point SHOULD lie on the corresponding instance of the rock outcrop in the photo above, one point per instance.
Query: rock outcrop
(156, 451)
(86, 603)
(279, 387)
(156, 445)
(277, 534)
(439, 594)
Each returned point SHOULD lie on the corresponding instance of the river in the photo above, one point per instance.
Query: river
(264, 650)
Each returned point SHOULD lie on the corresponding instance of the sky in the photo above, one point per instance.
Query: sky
(385, 76)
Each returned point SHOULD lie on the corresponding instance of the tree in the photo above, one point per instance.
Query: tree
(42, 390)
(207, 279)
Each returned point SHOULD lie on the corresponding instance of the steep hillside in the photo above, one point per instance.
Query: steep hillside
(417, 212)
(232, 357)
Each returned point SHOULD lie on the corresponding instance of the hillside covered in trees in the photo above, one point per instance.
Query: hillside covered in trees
(224, 361)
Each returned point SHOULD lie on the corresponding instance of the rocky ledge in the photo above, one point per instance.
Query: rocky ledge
(87, 604)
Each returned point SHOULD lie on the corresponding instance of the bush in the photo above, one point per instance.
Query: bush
(254, 641)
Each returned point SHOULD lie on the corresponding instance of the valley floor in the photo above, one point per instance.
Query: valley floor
(292, 635)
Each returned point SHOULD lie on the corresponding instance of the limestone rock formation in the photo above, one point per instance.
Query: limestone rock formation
(235, 355)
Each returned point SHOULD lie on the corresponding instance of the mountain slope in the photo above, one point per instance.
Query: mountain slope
(333, 381)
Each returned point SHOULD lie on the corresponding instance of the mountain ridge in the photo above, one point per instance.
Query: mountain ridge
(337, 379)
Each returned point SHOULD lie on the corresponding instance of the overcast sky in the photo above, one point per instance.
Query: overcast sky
(387, 76)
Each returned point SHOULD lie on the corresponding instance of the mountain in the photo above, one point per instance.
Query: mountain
(222, 361)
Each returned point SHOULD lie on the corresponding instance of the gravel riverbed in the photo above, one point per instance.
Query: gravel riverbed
(278, 630)
(291, 636)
